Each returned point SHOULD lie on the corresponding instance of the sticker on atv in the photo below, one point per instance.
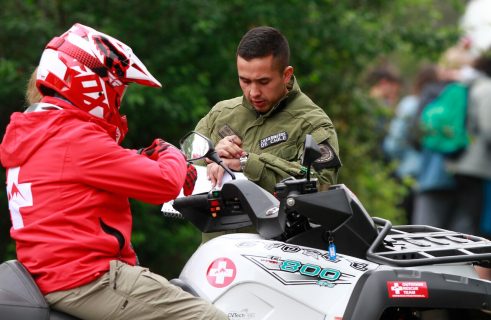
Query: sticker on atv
(407, 289)
(221, 272)
(292, 272)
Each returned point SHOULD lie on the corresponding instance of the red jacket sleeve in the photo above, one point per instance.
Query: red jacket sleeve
(99, 161)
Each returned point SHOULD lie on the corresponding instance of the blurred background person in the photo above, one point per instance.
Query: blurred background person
(435, 199)
(473, 168)
(397, 144)
(476, 24)
(385, 85)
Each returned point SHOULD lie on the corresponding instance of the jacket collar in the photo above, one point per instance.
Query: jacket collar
(70, 108)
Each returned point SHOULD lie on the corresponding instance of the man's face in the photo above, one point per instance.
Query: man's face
(262, 83)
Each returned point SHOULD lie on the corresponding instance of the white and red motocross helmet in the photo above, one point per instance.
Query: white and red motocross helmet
(92, 70)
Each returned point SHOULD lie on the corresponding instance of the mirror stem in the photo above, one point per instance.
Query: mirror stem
(228, 170)
(215, 158)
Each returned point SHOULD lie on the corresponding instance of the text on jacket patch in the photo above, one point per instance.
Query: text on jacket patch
(273, 139)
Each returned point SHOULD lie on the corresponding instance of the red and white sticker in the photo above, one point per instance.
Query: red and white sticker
(407, 289)
(221, 272)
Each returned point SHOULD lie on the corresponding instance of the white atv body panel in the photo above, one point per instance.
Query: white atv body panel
(251, 278)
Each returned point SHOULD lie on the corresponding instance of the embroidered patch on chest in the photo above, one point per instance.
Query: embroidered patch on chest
(226, 131)
(273, 139)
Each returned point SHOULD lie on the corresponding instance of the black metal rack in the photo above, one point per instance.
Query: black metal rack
(416, 245)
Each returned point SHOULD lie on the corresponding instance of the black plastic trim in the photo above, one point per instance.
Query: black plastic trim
(370, 296)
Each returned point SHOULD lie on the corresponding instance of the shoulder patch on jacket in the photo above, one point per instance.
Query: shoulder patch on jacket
(273, 139)
(328, 158)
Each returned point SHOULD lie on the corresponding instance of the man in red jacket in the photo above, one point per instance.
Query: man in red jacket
(69, 180)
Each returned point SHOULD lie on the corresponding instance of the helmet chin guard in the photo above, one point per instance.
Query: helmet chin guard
(92, 70)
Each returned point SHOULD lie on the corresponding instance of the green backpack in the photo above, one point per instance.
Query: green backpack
(443, 121)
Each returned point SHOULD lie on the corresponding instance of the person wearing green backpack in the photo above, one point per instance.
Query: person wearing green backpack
(442, 103)
(397, 144)
(443, 121)
(473, 168)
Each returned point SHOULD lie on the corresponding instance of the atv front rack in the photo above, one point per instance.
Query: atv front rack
(416, 245)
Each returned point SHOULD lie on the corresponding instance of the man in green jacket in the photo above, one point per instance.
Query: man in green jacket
(262, 132)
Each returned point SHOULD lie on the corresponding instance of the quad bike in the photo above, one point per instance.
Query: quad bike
(316, 255)
(319, 255)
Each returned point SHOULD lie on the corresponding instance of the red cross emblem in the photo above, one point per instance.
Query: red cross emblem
(221, 272)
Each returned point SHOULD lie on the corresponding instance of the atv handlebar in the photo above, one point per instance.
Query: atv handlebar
(194, 201)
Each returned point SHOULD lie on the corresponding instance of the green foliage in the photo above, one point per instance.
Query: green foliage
(163, 245)
(189, 45)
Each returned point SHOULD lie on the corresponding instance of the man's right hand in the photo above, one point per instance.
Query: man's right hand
(229, 147)
(215, 174)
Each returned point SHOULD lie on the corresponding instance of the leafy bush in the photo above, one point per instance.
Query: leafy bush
(189, 46)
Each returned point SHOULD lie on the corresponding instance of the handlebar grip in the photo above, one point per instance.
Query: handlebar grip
(194, 201)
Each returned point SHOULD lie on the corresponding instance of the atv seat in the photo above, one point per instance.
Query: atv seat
(20, 298)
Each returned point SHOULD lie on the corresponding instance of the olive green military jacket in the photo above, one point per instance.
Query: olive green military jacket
(274, 141)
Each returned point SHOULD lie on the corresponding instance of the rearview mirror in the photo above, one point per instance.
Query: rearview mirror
(311, 152)
(195, 146)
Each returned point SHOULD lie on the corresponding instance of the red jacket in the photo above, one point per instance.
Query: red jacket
(68, 184)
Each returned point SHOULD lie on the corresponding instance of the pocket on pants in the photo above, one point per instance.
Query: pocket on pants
(122, 277)
(135, 282)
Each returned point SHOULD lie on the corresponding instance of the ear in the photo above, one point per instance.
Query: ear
(287, 74)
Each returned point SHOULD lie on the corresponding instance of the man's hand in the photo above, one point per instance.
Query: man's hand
(157, 146)
(191, 176)
(215, 172)
(229, 147)
(233, 164)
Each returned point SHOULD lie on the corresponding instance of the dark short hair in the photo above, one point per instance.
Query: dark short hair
(427, 74)
(383, 73)
(263, 41)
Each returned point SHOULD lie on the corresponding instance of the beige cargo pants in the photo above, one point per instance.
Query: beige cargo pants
(132, 292)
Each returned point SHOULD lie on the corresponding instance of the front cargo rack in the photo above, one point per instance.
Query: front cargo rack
(416, 245)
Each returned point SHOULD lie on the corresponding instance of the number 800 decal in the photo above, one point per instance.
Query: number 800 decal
(310, 270)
